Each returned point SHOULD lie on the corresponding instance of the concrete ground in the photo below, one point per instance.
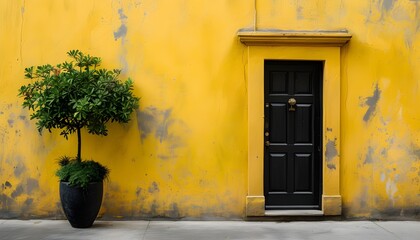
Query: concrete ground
(122, 230)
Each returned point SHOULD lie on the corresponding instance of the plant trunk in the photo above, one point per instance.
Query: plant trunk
(79, 145)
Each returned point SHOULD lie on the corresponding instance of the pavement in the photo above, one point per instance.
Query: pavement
(203, 230)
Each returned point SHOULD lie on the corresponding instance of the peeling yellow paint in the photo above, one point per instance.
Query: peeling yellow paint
(185, 154)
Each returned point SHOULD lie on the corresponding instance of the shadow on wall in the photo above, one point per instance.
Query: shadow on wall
(167, 130)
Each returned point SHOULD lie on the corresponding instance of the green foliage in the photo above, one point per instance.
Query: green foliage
(77, 94)
(81, 173)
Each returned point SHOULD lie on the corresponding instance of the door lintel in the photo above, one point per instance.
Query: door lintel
(294, 38)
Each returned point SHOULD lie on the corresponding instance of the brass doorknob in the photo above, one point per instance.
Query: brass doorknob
(267, 143)
(292, 103)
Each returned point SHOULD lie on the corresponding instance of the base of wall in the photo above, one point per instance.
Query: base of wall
(255, 206)
(331, 205)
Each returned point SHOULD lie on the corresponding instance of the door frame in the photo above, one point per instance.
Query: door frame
(273, 45)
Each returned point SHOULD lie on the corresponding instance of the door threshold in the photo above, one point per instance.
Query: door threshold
(294, 213)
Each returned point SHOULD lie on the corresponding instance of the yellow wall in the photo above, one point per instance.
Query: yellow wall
(185, 154)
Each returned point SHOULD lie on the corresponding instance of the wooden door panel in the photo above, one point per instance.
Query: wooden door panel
(278, 172)
(278, 114)
(303, 173)
(303, 83)
(278, 82)
(303, 123)
(292, 165)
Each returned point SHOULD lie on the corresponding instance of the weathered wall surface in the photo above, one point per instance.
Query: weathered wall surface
(380, 117)
(185, 152)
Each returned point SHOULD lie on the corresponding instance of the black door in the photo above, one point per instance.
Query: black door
(292, 134)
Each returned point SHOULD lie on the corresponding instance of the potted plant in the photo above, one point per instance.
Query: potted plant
(72, 96)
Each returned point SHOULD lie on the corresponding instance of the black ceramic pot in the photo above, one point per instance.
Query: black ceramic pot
(81, 206)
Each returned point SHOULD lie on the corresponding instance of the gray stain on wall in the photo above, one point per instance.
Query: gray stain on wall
(387, 4)
(162, 128)
(28, 187)
(27, 205)
(154, 188)
(330, 153)
(17, 192)
(372, 102)
(122, 30)
(138, 191)
(31, 185)
(369, 154)
(29, 201)
(10, 122)
(161, 124)
(5, 203)
(174, 211)
(146, 121)
(153, 208)
(152, 119)
(19, 169)
(415, 150)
